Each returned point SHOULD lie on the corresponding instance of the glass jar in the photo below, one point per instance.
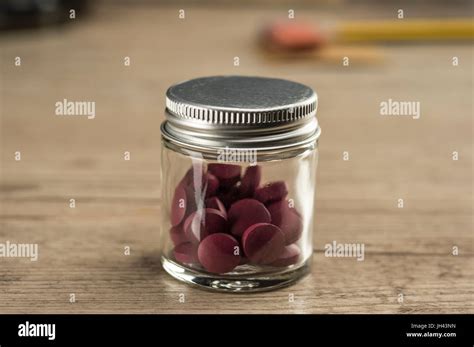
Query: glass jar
(239, 157)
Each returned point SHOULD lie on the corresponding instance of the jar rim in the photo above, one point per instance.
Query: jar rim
(210, 149)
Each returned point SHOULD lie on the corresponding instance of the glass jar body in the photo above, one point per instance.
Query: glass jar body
(237, 220)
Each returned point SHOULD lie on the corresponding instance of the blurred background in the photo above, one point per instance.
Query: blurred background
(124, 54)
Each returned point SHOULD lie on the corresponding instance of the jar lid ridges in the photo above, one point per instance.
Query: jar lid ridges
(244, 117)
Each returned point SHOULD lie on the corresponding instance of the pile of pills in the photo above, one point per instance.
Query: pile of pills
(221, 219)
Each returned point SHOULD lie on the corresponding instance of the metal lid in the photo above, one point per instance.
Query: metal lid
(240, 112)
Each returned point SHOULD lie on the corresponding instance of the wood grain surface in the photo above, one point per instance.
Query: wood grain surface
(408, 251)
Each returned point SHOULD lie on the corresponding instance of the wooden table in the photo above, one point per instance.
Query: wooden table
(409, 265)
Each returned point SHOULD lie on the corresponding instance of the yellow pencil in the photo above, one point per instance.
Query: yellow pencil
(405, 30)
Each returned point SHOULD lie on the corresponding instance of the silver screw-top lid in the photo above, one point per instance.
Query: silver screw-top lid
(240, 112)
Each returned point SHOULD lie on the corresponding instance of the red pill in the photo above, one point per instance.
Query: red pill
(290, 256)
(245, 213)
(188, 177)
(197, 170)
(219, 253)
(244, 261)
(179, 205)
(211, 185)
(186, 253)
(272, 191)
(250, 180)
(192, 201)
(263, 243)
(187, 223)
(177, 235)
(216, 204)
(227, 174)
(288, 219)
(203, 186)
(203, 223)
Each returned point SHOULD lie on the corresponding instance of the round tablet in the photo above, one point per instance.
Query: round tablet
(206, 185)
(211, 184)
(245, 213)
(216, 204)
(289, 256)
(186, 253)
(177, 235)
(187, 223)
(250, 180)
(243, 261)
(263, 243)
(219, 253)
(227, 174)
(288, 219)
(203, 223)
(271, 192)
(194, 170)
(192, 201)
(178, 205)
